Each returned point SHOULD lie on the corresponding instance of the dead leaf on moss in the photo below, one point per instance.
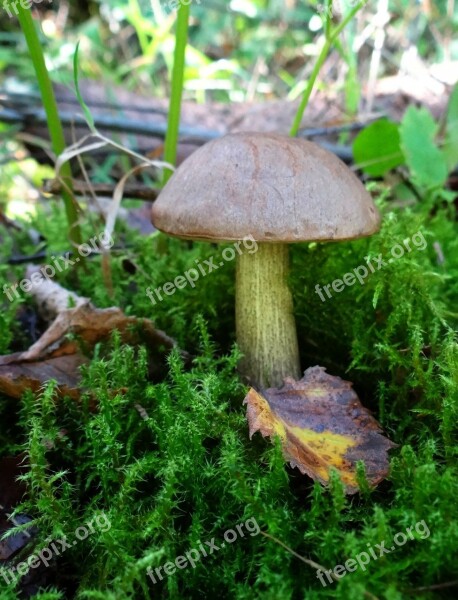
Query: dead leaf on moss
(18, 375)
(57, 353)
(321, 424)
(90, 325)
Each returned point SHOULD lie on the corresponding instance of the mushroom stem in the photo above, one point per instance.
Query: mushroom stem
(266, 329)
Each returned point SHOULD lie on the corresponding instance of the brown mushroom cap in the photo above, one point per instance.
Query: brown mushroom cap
(268, 186)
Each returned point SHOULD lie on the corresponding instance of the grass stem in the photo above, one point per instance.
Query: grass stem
(56, 132)
(330, 36)
(173, 124)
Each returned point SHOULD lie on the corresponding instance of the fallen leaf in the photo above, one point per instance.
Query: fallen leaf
(18, 375)
(57, 355)
(321, 424)
(91, 325)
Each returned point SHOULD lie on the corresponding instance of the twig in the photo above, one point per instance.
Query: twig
(123, 125)
(187, 134)
(43, 255)
(109, 123)
(437, 586)
(310, 563)
(140, 192)
(343, 152)
(14, 101)
(335, 129)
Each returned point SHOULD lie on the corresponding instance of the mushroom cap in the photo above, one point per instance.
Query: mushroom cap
(269, 186)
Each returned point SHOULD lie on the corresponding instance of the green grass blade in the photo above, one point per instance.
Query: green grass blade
(330, 37)
(52, 116)
(173, 124)
(87, 113)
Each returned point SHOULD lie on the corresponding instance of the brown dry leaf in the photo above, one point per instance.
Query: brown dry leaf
(321, 424)
(56, 355)
(91, 325)
(18, 375)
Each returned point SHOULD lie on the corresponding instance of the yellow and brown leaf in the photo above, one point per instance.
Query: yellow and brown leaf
(321, 424)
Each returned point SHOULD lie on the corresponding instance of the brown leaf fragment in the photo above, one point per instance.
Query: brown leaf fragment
(91, 325)
(57, 353)
(322, 424)
(18, 375)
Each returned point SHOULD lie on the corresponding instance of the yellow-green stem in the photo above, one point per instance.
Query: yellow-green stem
(266, 329)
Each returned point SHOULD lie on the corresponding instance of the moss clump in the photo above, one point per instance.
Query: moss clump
(170, 464)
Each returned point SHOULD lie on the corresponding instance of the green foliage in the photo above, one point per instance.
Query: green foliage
(170, 463)
(377, 148)
(450, 148)
(426, 162)
(384, 145)
(405, 322)
(184, 472)
(7, 318)
(331, 37)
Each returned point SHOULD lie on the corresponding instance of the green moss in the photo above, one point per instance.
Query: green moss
(170, 463)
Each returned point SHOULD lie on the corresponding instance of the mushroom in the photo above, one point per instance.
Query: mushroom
(276, 190)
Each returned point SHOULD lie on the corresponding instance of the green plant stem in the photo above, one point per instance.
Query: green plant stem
(173, 124)
(330, 37)
(308, 90)
(327, 25)
(56, 132)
